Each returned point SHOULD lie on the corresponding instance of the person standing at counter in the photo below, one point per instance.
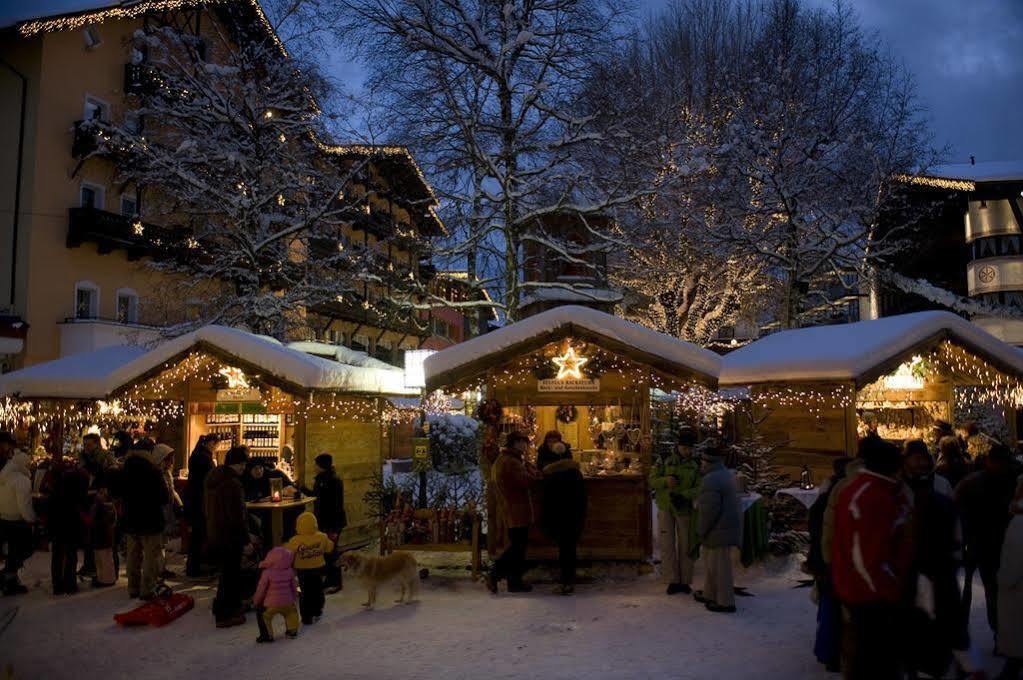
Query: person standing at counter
(675, 480)
(564, 506)
(545, 455)
(719, 526)
(511, 481)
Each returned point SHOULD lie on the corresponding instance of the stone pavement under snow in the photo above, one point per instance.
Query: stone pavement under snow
(609, 629)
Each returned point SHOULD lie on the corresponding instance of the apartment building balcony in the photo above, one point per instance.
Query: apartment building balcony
(111, 232)
(79, 335)
(352, 309)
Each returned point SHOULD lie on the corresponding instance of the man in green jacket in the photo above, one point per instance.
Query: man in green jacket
(675, 480)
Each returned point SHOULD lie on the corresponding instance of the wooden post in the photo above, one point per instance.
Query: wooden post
(381, 519)
(300, 447)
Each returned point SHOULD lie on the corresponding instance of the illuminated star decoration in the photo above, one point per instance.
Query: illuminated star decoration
(569, 365)
(235, 378)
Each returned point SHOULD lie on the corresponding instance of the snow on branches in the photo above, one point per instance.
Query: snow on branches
(222, 144)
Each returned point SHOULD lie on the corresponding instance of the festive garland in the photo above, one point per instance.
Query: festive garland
(489, 412)
(567, 413)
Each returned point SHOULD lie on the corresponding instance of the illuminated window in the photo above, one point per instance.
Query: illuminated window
(86, 300)
(127, 306)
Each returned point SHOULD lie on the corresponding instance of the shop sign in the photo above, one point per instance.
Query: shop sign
(568, 385)
(239, 394)
(421, 450)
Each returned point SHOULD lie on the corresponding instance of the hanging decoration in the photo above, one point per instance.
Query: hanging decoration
(567, 413)
(570, 365)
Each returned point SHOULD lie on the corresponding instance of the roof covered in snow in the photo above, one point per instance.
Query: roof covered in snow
(860, 351)
(990, 171)
(97, 375)
(665, 353)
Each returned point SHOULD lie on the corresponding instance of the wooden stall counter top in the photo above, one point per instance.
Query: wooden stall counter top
(617, 523)
(283, 504)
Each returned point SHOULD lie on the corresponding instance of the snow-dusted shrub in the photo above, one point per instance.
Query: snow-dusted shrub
(454, 442)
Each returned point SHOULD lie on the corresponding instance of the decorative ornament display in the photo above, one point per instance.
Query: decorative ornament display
(570, 365)
(235, 377)
(489, 412)
(567, 413)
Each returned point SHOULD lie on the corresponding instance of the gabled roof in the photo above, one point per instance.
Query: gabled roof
(101, 374)
(987, 171)
(862, 351)
(32, 17)
(666, 354)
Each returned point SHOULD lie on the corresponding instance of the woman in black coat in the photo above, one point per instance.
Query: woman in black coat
(329, 491)
(200, 464)
(564, 511)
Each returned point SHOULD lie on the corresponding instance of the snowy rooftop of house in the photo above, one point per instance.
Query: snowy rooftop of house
(475, 356)
(989, 171)
(97, 375)
(576, 294)
(855, 351)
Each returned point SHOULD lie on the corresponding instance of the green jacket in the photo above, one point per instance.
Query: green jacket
(679, 500)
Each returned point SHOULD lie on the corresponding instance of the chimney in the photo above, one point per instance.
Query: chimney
(973, 161)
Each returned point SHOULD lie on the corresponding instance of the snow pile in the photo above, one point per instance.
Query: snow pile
(96, 375)
(848, 351)
(477, 350)
(340, 353)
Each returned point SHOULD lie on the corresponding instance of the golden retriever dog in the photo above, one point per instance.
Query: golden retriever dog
(375, 571)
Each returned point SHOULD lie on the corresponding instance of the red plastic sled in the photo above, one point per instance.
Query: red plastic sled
(157, 612)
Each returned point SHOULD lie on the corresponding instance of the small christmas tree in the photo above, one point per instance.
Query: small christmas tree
(754, 458)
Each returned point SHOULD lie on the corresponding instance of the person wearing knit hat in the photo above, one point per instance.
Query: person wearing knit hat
(719, 525)
(227, 534)
(329, 492)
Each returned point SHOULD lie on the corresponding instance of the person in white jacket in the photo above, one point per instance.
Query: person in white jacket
(16, 519)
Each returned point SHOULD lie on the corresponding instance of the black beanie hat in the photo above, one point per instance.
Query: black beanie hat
(237, 455)
(325, 461)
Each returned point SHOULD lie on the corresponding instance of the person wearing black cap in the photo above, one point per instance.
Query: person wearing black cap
(329, 491)
(982, 498)
(227, 533)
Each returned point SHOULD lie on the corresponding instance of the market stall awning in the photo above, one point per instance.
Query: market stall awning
(100, 374)
(664, 353)
(861, 352)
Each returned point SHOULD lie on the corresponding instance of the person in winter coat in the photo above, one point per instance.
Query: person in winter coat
(276, 594)
(512, 479)
(163, 459)
(310, 547)
(8, 447)
(227, 533)
(719, 525)
(104, 538)
(257, 480)
(545, 455)
(67, 487)
(952, 462)
(675, 481)
(563, 511)
(200, 464)
(940, 631)
(96, 462)
(16, 519)
(827, 645)
(329, 492)
(143, 493)
(872, 554)
(983, 499)
(1010, 593)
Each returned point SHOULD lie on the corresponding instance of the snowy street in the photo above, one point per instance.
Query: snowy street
(610, 629)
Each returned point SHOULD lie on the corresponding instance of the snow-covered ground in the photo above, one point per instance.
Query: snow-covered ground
(622, 628)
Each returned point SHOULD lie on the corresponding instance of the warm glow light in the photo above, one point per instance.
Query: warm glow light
(415, 375)
(570, 365)
(235, 378)
(904, 377)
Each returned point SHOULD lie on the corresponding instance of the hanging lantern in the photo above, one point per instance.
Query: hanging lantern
(806, 478)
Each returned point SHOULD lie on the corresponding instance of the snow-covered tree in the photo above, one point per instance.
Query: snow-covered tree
(223, 146)
(489, 94)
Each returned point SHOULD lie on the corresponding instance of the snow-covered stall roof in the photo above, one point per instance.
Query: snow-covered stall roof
(860, 351)
(99, 374)
(667, 354)
(988, 171)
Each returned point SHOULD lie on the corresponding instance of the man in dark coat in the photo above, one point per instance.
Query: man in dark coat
(200, 464)
(512, 479)
(227, 533)
(329, 491)
(143, 494)
(983, 500)
(67, 487)
(564, 511)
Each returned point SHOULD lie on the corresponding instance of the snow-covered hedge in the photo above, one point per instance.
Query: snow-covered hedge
(454, 442)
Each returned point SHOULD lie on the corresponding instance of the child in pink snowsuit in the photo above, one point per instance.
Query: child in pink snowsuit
(276, 594)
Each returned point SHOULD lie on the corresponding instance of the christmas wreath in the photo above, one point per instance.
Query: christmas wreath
(489, 412)
(567, 413)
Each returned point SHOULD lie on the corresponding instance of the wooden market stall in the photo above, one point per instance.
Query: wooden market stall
(817, 390)
(588, 375)
(243, 389)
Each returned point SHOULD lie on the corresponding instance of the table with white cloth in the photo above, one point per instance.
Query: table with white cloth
(805, 496)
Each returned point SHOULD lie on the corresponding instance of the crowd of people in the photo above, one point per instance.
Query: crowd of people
(890, 535)
(103, 503)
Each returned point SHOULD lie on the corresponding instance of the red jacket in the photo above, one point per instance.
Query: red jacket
(872, 548)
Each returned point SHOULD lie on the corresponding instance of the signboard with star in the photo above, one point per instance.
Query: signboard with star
(570, 376)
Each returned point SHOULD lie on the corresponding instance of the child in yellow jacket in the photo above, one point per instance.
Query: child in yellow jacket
(310, 545)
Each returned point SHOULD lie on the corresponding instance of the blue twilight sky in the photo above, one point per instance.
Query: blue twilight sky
(966, 55)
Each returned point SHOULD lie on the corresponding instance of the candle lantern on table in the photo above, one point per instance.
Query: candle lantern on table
(276, 489)
(806, 478)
